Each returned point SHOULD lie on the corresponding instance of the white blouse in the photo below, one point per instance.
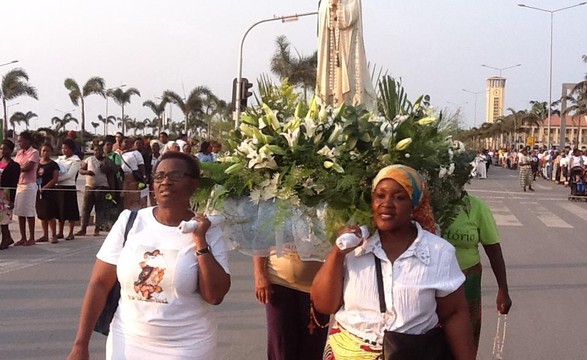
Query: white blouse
(428, 269)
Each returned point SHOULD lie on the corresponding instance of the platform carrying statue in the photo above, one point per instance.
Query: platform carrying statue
(342, 75)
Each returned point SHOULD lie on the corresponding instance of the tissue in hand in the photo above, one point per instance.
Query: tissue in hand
(350, 240)
(186, 227)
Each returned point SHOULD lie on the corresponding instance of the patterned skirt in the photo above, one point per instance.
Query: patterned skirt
(525, 176)
(342, 345)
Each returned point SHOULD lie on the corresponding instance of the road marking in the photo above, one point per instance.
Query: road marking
(553, 221)
(575, 210)
(502, 214)
(547, 217)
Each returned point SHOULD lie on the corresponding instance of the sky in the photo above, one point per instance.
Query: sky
(434, 47)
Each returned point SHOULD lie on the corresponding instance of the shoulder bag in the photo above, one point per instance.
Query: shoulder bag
(398, 346)
(103, 323)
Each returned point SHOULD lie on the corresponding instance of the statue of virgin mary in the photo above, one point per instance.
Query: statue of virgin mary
(343, 76)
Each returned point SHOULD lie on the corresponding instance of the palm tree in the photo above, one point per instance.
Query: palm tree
(122, 97)
(61, 123)
(300, 70)
(215, 110)
(95, 126)
(159, 110)
(152, 124)
(578, 107)
(192, 106)
(14, 84)
(77, 95)
(522, 119)
(139, 126)
(20, 117)
(109, 120)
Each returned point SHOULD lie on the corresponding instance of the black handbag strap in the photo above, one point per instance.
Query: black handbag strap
(131, 220)
(382, 305)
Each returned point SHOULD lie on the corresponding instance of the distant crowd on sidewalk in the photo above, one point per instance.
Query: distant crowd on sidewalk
(551, 165)
(118, 175)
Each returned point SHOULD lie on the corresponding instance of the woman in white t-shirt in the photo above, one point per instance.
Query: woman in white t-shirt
(169, 279)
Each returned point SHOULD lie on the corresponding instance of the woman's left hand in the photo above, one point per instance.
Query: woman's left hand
(504, 303)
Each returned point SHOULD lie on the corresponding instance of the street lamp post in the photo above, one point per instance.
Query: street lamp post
(551, 12)
(501, 69)
(283, 19)
(475, 93)
(106, 92)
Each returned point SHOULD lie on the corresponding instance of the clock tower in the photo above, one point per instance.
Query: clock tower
(495, 98)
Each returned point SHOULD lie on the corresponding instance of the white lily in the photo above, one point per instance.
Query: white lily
(246, 147)
(310, 126)
(292, 137)
(443, 172)
(335, 134)
(263, 161)
(328, 152)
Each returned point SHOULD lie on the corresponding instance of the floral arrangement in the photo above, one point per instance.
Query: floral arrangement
(303, 155)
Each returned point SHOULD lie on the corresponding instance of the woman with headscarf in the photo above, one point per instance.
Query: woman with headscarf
(418, 274)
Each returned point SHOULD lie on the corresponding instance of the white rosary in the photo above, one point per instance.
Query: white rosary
(499, 341)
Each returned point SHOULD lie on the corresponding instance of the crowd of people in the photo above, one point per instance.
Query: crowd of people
(118, 175)
(533, 163)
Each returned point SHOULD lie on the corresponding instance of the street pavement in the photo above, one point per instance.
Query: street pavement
(42, 286)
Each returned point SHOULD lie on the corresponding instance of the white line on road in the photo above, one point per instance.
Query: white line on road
(547, 217)
(502, 214)
(575, 209)
(553, 221)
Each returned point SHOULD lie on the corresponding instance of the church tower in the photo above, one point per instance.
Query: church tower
(495, 98)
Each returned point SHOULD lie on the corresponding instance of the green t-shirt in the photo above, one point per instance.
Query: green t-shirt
(115, 157)
(474, 225)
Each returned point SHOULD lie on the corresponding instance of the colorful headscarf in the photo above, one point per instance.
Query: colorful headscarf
(415, 186)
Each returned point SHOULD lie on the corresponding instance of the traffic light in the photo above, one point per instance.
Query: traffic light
(245, 93)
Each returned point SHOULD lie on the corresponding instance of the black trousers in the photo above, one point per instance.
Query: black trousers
(288, 336)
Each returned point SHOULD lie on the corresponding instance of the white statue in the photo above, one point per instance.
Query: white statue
(343, 75)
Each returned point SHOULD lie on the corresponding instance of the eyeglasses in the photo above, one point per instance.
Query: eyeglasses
(172, 176)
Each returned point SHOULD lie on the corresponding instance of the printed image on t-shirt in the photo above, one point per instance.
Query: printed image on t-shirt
(154, 276)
